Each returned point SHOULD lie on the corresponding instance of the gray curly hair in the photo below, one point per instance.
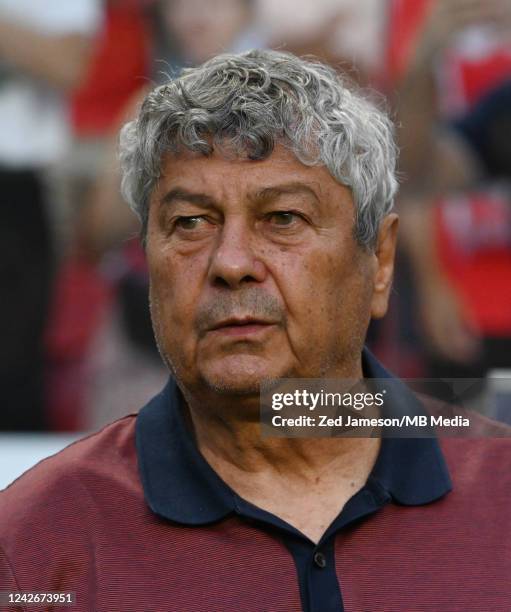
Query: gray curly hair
(252, 101)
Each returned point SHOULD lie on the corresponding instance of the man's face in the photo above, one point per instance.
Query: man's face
(255, 272)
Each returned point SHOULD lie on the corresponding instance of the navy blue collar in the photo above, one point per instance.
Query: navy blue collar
(181, 486)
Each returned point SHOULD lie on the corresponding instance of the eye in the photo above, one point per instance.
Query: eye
(189, 223)
(284, 218)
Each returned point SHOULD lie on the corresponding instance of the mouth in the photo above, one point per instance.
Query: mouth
(241, 326)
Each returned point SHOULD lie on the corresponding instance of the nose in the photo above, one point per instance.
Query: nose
(233, 262)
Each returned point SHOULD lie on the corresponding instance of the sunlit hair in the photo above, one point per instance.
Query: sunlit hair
(248, 103)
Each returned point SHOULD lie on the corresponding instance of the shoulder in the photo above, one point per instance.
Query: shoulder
(483, 455)
(478, 453)
(62, 487)
(479, 425)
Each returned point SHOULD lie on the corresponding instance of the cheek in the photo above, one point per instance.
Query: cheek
(339, 296)
(172, 292)
(305, 282)
(163, 289)
(172, 312)
(351, 304)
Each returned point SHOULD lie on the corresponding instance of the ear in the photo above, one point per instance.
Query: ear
(384, 265)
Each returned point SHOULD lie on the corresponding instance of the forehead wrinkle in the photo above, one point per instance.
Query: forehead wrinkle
(179, 194)
(218, 182)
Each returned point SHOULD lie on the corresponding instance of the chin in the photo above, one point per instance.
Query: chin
(238, 376)
(232, 387)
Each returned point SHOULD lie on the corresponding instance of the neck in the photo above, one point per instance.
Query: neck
(227, 432)
(305, 481)
(238, 449)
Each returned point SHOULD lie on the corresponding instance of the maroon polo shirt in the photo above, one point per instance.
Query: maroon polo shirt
(132, 518)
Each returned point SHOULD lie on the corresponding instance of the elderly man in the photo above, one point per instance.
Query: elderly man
(264, 186)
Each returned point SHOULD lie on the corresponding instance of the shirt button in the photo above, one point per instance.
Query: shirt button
(320, 560)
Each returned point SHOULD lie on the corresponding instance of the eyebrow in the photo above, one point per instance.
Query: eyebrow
(179, 194)
(182, 195)
(272, 193)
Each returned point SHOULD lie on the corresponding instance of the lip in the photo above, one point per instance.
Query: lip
(241, 327)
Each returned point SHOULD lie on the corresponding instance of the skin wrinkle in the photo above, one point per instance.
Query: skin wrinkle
(321, 289)
(254, 299)
(316, 268)
(251, 300)
(253, 101)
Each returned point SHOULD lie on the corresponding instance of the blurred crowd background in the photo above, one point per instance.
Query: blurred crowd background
(76, 346)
